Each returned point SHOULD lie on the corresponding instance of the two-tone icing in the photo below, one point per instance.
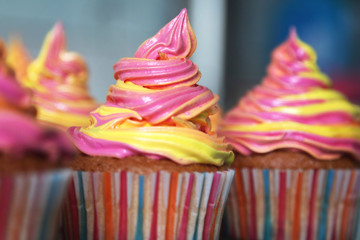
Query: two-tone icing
(20, 134)
(156, 108)
(59, 81)
(294, 108)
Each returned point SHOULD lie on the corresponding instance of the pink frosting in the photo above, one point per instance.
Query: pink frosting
(60, 66)
(157, 74)
(59, 79)
(12, 92)
(157, 107)
(174, 78)
(175, 39)
(293, 82)
(21, 135)
(159, 86)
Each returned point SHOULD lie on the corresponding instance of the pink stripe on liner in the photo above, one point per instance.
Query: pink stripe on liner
(211, 205)
(184, 221)
(96, 230)
(5, 201)
(153, 230)
(312, 204)
(205, 207)
(280, 235)
(123, 206)
(253, 228)
(74, 211)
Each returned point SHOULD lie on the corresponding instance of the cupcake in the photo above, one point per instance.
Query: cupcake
(152, 168)
(33, 179)
(298, 150)
(58, 79)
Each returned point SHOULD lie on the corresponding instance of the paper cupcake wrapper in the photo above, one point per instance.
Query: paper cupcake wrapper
(293, 204)
(30, 204)
(162, 205)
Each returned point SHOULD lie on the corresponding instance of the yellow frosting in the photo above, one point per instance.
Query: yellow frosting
(59, 81)
(294, 107)
(156, 108)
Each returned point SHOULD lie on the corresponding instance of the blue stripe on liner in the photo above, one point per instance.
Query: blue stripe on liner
(198, 213)
(56, 181)
(139, 223)
(83, 219)
(267, 220)
(325, 206)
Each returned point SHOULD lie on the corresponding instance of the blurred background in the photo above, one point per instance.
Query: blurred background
(235, 38)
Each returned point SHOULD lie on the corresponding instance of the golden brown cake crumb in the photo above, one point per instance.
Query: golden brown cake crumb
(27, 164)
(287, 159)
(137, 164)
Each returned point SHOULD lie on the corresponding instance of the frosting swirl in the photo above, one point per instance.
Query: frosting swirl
(156, 108)
(19, 133)
(294, 107)
(59, 81)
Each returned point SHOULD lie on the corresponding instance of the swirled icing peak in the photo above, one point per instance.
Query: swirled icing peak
(156, 108)
(59, 81)
(294, 108)
(175, 39)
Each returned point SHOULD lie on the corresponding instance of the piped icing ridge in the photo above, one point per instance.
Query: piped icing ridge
(20, 134)
(294, 108)
(59, 81)
(176, 40)
(156, 108)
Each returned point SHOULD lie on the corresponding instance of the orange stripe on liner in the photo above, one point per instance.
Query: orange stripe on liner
(171, 206)
(297, 206)
(239, 185)
(109, 227)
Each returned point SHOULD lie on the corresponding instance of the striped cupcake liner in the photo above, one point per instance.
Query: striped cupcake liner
(30, 204)
(161, 205)
(293, 204)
